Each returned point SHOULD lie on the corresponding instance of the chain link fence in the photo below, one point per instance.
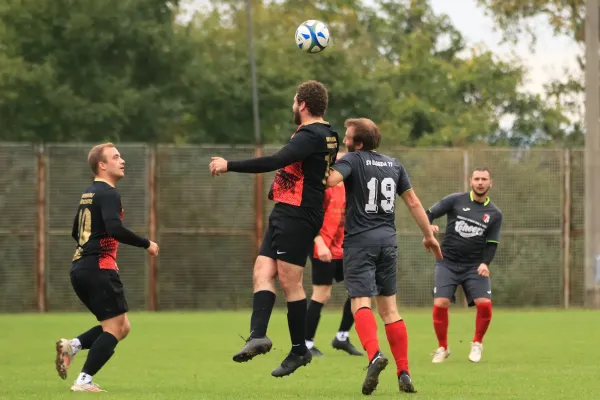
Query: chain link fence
(207, 227)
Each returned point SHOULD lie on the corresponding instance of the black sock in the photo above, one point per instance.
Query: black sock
(88, 338)
(262, 305)
(100, 352)
(347, 318)
(313, 315)
(297, 324)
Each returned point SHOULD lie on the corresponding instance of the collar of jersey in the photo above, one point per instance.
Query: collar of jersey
(111, 185)
(485, 203)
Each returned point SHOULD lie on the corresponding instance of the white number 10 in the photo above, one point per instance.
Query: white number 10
(388, 189)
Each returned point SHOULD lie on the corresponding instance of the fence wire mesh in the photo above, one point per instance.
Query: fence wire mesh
(206, 226)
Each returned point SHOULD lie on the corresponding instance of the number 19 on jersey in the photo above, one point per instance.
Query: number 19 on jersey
(387, 188)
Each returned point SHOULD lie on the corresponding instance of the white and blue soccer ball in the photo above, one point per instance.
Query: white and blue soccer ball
(312, 36)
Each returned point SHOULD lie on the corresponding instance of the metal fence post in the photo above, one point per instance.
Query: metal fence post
(566, 228)
(152, 270)
(41, 230)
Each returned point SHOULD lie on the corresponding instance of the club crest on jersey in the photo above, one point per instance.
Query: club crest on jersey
(486, 218)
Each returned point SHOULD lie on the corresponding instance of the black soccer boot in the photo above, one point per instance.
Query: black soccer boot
(346, 346)
(375, 367)
(405, 383)
(291, 363)
(253, 347)
(316, 352)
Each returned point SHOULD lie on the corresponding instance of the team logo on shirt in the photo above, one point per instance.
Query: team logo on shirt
(486, 218)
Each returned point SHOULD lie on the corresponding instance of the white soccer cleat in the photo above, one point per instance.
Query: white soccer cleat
(64, 356)
(476, 350)
(440, 355)
(86, 387)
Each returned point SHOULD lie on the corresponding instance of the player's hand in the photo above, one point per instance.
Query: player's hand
(435, 228)
(217, 166)
(483, 270)
(432, 246)
(153, 249)
(324, 253)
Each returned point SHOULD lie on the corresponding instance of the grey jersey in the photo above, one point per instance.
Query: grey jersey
(470, 226)
(372, 181)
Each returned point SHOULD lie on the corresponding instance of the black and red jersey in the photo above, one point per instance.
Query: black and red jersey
(98, 228)
(303, 166)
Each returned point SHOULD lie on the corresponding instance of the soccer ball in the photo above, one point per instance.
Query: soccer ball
(312, 36)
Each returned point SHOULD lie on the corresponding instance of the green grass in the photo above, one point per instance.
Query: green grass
(528, 355)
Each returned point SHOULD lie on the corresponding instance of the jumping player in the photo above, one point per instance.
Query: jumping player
(469, 246)
(98, 230)
(298, 190)
(372, 181)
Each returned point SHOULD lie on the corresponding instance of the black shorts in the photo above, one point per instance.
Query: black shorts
(448, 275)
(370, 271)
(291, 233)
(323, 273)
(101, 290)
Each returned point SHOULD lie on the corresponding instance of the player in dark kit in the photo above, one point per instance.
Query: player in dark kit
(327, 266)
(372, 181)
(298, 190)
(98, 230)
(469, 246)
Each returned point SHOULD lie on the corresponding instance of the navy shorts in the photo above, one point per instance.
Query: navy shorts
(448, 275)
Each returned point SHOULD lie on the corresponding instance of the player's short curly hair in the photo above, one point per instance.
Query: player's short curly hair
(365, 132)
(96, 156)
(314, 94)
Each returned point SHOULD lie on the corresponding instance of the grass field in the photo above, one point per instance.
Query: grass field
(528, 355)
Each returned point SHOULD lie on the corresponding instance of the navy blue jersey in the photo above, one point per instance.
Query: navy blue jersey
(372, 181)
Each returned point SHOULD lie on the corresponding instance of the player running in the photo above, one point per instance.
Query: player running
(298, 190)
(372, 181)
(98, 230)
(469, 246)
(327, 265)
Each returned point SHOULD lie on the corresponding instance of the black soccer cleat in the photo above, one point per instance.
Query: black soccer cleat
(375, 367)
(291, 363)
(316, 352)
(253, 348)
(405, 383)
(346, 346)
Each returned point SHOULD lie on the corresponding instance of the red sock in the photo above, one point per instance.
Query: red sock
(366, 328)
(398, 339)
(440, 324)
(482, 321)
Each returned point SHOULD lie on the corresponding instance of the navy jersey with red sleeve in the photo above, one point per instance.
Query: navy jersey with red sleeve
(303, 166)
(98, 227)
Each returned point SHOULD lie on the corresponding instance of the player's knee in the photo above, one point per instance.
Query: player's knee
(321, 293)
(441, 302)
(290, 285)
(265, 270)
(481, 300)
(389, 316)
(125, 328)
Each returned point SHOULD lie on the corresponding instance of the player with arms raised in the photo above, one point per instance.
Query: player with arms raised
(372, 181)
(298, 190)
(98, 230)
(469, 246)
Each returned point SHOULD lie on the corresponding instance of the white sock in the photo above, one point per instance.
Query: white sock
(75, 345)
(310, 344)
(342, 336)
(83, 379)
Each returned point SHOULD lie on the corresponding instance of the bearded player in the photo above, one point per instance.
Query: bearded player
(469, 246)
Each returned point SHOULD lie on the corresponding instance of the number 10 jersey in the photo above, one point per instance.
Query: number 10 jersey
(99, 204)
(372, 181)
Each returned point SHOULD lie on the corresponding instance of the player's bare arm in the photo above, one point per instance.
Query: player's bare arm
(417, 211)
(334, 178)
